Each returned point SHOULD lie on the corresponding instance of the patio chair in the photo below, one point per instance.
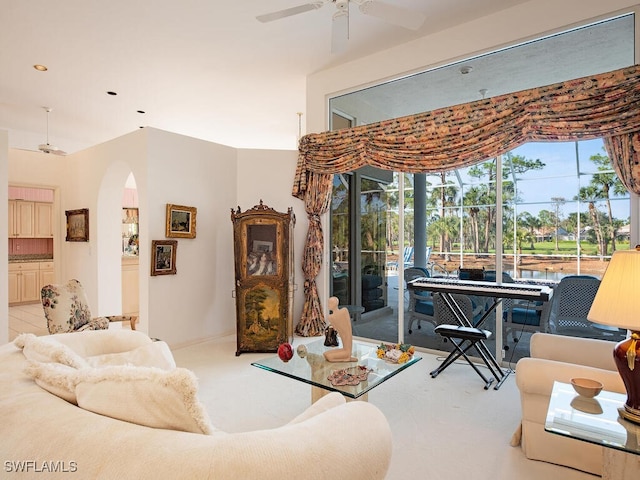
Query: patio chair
(407, 253)
(67, 310)
(420, 303)
(570, 304)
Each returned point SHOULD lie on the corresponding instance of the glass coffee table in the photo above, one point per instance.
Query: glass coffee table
(312, 368)
(596, 420)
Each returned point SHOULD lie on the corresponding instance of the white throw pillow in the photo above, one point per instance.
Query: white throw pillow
(48, 349)
(156, 354)
(145, 396)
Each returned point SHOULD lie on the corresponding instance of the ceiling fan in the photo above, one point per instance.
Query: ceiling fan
(393, 14)
(47, 147)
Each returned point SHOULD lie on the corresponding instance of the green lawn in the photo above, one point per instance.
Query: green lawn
(565, 247)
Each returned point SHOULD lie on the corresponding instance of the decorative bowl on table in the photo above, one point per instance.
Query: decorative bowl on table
(395, 353)
(586, 387)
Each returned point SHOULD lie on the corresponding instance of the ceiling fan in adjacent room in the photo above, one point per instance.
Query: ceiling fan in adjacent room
(47, 147)
(393, 14)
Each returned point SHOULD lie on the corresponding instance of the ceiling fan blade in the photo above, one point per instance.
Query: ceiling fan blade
(399, 16)
(46, 148)
(288, 12)
(340, 31)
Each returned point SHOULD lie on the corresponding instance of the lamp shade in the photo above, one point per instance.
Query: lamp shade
(617, 302)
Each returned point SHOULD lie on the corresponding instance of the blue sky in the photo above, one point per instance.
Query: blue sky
(560, 162)
(559, 176)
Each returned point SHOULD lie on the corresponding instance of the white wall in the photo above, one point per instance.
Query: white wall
(267, 175)
(197, 302)
(95, 179)
(4, 233)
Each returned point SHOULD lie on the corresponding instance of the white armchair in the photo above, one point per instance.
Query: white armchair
(560, 358)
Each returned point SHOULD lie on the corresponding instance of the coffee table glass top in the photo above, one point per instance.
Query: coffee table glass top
(595, 420)
(315, 370)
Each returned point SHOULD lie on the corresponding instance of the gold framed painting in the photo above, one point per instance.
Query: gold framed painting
(181, 221)
(163, 257)
(77, 225)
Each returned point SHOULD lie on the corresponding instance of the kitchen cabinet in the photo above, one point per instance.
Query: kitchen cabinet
(43, 220)
(24, 282)
(47, 274)
(30, 219)
(26, 279)
(21, 218)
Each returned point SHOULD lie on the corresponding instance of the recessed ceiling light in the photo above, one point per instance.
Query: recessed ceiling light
(466, 69)
(40, 68)
(112, 93)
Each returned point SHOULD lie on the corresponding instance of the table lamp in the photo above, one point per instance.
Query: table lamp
(617, 303)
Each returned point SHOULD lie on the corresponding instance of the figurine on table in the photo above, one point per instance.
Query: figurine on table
(341, 322)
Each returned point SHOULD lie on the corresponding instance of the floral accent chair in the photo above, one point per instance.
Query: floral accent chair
(67, 310)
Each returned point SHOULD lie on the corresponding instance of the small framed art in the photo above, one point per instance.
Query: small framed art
(181, 221)
(77, 225)
(163, 257)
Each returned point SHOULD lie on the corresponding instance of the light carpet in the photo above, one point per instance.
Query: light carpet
(443, 428)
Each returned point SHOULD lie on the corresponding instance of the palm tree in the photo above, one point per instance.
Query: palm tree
(606, 182)
(590, 194)
(531, 223)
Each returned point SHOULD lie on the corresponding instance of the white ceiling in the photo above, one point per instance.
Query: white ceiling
(202, 68)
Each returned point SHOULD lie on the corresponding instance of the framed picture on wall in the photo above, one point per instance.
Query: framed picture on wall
(163, 257)
(181, 221)
(77, 225)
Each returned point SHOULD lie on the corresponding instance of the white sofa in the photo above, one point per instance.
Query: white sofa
(43, 433)
(560, 358)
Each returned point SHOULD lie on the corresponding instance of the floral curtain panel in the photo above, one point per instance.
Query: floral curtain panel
(316, 204)
(624, 152)
(599, 106)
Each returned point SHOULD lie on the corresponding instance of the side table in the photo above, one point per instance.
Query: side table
(596, 420)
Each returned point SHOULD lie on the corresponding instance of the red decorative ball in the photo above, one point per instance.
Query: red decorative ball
(285, 352)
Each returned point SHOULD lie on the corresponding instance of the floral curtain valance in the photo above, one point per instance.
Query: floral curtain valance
(599, 106)
(453, 137)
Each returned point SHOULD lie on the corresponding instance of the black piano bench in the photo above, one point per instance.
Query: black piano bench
(467, 337)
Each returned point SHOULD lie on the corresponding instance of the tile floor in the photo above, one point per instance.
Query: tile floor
(27, 319)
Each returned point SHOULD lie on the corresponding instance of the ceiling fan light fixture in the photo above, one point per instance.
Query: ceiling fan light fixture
(387, 12)
(47, 147)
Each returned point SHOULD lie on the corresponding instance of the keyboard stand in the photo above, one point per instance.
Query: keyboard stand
(466, 331)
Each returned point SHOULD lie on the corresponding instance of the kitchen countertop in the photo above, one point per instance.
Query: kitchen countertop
(34, 257)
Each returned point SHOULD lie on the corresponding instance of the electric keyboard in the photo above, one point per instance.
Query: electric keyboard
(520, 291)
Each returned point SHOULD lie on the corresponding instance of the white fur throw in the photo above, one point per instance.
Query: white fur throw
(146, 396)
(47, 349)
(156, 354)
(141, 385)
